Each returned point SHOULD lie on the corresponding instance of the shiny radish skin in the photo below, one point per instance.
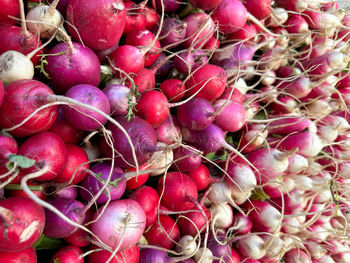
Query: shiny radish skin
(27, 255)
(8, 146)
(22, 223)
(201, 176)
(205, 5)
(259, 9)
(23, 97)
(131, 255)
(173, 89)
(100, 23)
(9, 8)
(188, 221)
(48, 150)
(185, 159)
(68, 254)
(80, 65)
(135, 19)
(2, 93)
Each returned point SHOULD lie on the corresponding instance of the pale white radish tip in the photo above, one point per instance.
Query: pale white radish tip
(280, 16)
(275, 247)
(222, 215)
(315, 249)
(186, 245)
(269, 78)
(301, 5)
(252, 247)
(203, 255)
(327, 134)
(41, 22)
(296, 164)
(303, 182)
(15, 66)
(161, 160)
(337, 60)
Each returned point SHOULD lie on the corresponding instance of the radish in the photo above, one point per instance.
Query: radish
(161, 160)
(260, 10)
(172, 32)
(184, 62)
(22, 223)
(135, 19)
(169, 131)
(219, 251)
(187, 245)
(43, 20)
(49, 152)
(68, 254)
(67, 192)
(196, 114)
(10, 8)
(148, 198)
(137, 181)
(241, 224)
(297, 255)
(82, 118)
(296, 24)
(253, 136)
(103, 174)
(118, 96)
(204, 255)
(230, 116)
(106, 27)
(164, 232)
(173, 89)
(72, 64)
(8, 146)
(150, 255)
(193, 221)
(297, 164)
(326, 22)
(251, 246)
(205, 5)
(2, 91)
(201, 176)
(200, 27)
(223, 15)
(121, 224)
(294, 5)
(152, 17)
(240, 177)
(177, 191)
(169, 6)
(221, 216)
(74, 169)
(56, 226)
(27, 255)
(290, 125)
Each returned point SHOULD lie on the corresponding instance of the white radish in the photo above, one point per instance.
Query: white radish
(251, 246)
(297, 164)
(161, 160)
(187, 245)
(222, 215)
(204, 255)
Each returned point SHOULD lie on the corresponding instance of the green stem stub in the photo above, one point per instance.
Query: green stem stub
(20, 160)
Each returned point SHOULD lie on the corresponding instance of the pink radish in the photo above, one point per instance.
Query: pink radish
(169, 131)
(205, 5)
(259, 9)
(297, 255)
(134, 19)
(230, 116)
(173, 32)
(68, 254)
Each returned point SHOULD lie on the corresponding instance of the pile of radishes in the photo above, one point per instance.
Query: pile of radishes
(174, 131)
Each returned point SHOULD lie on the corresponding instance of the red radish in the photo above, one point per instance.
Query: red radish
(169, 6)
(27, 255)
(253, 136)
(43, 20)
(324, 21)
(172, 32)
(62, 128)
(100, 23)
(152, 17)
(184, 62)
(293, 5)
(169, 131)
(10, 8)
(247, 33)
(192, 220)
(196, 114)
(72, 65)
(27, 97)
(153, 107)
(230, 116)
(208, 82)
(186, 159)
(134, 19)
(86, 119)
(201, 176)
(68, 254)
(128, 59)
(143, 138)
(251, 246)
(73, 171)
(8, 146)
(2, 91)
(49, 152)
(177, 191)
(148, 198)
(299, 88)
(296, 24)
(144, 80)
(164, 232)
(14, 38)
(22, 223)
(137, 181)
(205, 5)
(143, 39)
(57, 227)
(223, 15)
(121, 225)
(103, 174)
(200, 27)
(241, 224)
(284, 105)
(131, 255)
(290, 125)
(173, 89)
(259, 9)
(270, 162)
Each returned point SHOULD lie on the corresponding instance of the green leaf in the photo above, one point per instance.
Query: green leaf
(56, 260)
(213, 157)
(6, 134)
(45, 242)
(113, 183)
(106, 75)
(261, 115)
(22, 161)
(259, 194)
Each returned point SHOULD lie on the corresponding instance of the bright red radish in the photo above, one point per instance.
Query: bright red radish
(296, 24)
(100, 23)
(8, 146)
(24, 97)
(208, 82)
(82, 118)
(27, 255)
(169, 5)
(201, 176)
(148, 198)
(22, 223)
(130, 255)
(72, 65)
(173, 89)
(49, 152)
(68, 254)
(177, 191)
(223, 15)
(190, 221)
(73, 171)
(9, 8)
(152, 17)
(185, 159)
(137, 181)
(144, 80)
(259, 9)
(121, 225)
(205, 5)
(163, 232)
(153, 107)
(135, 19)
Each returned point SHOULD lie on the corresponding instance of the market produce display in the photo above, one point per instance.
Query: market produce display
(171, 131)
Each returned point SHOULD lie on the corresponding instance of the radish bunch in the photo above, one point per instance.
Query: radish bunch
(168, 131)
